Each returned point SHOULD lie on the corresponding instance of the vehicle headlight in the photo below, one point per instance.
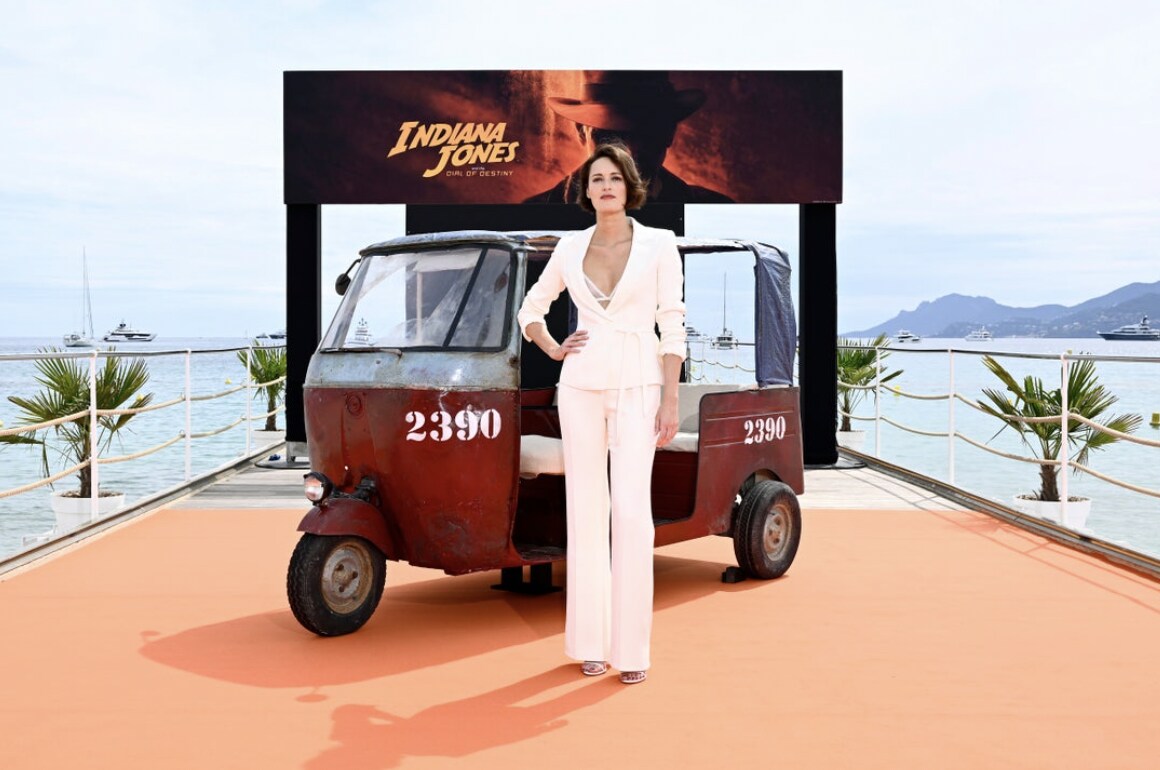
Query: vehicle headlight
(316, 486)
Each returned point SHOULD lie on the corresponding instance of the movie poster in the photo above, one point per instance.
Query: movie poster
(479, 137)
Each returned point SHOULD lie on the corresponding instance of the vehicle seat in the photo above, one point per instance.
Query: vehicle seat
(689, 410)
(541, 454)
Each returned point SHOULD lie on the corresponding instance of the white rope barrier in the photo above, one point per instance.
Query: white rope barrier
(143, 452)
(919, 397)
(1116, 482)
(271, 382)
(43, 425)
(140, 409)
(1116, 433)
(44, 482)
(223, 429)
(909, 429)
(212, 396)
(1009, 456)
(256, 417)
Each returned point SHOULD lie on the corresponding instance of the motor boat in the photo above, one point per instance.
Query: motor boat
(726, 340)
(126, 333)
(1140, 331)
(278, 335)
(979, 335)
(693, 335)
(906, 336)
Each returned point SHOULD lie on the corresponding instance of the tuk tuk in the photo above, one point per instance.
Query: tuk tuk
(434, 438)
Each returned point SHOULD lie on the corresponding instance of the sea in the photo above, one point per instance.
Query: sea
(932, 367)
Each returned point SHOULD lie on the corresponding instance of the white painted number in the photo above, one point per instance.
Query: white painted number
(469, 422)
(416, 433)
(764, 429)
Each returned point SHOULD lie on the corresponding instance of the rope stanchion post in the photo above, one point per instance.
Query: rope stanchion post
(877, 402)
(1064, 443)
(188, 415)
(249, 394)
(94, 444)
(951, 421)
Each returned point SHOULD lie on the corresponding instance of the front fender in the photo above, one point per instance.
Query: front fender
(350, 516)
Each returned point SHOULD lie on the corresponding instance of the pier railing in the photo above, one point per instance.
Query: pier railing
(903, 426)
(187, 400)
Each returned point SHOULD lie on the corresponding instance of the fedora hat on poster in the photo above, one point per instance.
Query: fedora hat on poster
(629, 100)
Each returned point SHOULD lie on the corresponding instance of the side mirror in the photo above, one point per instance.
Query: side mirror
(342, 283)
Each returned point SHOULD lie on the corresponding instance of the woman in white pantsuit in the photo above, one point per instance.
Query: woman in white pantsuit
(617, 396)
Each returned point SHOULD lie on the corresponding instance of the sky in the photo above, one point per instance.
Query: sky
(1005, 149)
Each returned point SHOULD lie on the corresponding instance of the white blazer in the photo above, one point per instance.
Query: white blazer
(623, 350)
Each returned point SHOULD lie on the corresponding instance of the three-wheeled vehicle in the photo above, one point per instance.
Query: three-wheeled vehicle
(434, 438)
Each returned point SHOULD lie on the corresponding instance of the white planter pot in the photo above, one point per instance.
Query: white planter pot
(261, 438)
(1077, 511)
(73, 512)
(852, 439)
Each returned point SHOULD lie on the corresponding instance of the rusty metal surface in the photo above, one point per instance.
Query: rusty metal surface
(447, 491)
(732, 448)
(347, 516)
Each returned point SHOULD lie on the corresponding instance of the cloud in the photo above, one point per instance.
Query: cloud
(990, 148)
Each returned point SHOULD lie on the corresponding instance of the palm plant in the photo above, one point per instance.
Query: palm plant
(267, 365)
(858, 365)
(1086, 397)
(64, 391)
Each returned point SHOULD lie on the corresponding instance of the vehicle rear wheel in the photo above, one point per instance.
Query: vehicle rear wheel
(334, 583)
(768, 530)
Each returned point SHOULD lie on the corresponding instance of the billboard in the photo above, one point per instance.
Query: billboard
(518, 136)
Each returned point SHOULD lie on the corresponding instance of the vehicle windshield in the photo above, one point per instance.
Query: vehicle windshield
(446, 298)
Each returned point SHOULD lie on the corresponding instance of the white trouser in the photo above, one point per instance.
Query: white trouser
(609, 600)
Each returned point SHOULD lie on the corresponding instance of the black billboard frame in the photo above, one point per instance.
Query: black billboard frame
(817, 296)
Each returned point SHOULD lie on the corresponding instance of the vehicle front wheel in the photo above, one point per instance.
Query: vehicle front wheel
(335, 582)
(768, 530)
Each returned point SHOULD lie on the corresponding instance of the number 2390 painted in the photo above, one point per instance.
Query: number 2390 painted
(764, 429)
(464, 425)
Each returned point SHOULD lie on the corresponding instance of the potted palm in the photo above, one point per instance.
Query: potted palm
(1087, 398)
(858, 367)
(267, 365)
(64, 391)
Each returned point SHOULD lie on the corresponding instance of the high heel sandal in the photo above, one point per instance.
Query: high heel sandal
(633, 677)
(593, 667)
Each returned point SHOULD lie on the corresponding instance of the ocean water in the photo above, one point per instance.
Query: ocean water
(1118, 515)
(30, 514)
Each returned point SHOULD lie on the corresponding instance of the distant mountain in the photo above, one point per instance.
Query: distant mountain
(955, 315)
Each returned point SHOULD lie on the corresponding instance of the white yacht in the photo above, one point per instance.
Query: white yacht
(907, 336)
(1140, 331)
(726, 340)
(126, 333)
(979, 335)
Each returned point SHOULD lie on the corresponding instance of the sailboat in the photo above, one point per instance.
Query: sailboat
(84, 338)
(725, 340)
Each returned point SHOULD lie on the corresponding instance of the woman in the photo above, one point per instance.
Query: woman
(618, 395)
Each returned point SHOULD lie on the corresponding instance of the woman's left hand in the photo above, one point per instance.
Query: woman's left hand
(668, 418)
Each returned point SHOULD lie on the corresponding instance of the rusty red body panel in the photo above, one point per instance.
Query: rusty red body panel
(349, 516)
(447, 492)
(733, 447)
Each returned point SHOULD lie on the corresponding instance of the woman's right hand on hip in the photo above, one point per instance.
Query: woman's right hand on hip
(571, 344)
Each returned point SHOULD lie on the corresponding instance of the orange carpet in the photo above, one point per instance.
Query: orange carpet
(899, 639)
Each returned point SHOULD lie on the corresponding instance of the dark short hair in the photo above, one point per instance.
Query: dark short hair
(618, 154)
